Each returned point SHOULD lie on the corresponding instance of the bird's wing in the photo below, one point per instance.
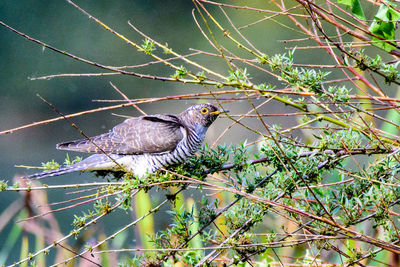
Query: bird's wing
(146, 134)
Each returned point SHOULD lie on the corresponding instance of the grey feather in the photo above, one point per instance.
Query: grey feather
(146, 134)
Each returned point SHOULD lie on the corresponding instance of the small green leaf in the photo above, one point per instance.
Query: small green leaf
(345, 2)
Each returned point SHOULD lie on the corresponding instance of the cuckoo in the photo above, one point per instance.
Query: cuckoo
(142, 144)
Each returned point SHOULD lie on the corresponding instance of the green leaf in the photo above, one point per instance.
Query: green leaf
(382, 13)
(355, 6)
(357, 10)
(345, 2)
(384, 26)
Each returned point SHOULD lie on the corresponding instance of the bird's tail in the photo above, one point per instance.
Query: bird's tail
(56, 172)
(92, 163)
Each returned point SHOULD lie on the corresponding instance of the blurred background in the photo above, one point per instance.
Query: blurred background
(59, 24)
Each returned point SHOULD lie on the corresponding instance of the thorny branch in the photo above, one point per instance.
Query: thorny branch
(324, 180)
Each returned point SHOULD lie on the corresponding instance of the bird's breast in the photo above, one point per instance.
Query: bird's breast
(146, 163)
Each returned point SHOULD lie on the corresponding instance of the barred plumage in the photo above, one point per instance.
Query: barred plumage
(144, 144)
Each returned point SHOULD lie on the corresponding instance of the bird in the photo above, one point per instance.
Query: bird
(142, 145)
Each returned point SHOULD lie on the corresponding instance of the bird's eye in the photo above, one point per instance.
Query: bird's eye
(204, 111)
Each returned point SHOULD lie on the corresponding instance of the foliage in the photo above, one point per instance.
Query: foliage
(384, 25)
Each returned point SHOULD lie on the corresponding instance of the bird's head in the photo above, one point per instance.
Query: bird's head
(201, 115)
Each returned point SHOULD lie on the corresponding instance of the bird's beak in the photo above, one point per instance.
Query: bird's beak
(217, 112)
